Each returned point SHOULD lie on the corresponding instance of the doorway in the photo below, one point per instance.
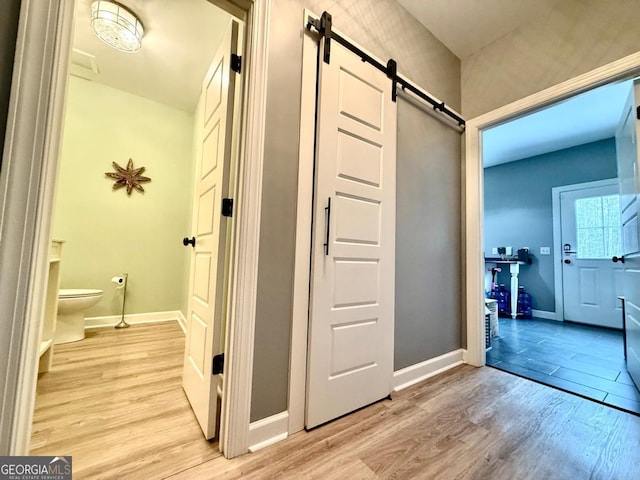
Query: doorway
(117, 110)
(42, 76)
(570, 276)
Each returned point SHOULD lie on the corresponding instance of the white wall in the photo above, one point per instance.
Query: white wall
(108, 232)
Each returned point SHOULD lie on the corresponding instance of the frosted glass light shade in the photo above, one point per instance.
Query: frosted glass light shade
(116, 26)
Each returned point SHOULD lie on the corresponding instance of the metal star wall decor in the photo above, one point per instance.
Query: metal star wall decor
(128, 177)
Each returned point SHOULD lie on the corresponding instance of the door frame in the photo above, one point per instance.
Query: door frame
(27, 187)
(557, 236)
(473, 175)
(296, 401)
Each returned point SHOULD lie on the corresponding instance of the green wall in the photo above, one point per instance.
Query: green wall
(107, 232)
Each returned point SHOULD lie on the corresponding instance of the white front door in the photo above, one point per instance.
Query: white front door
(591, 236)
(629, 176)
(350, 357)
(207, 289)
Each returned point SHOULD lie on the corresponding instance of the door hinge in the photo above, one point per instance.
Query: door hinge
(217, 366)
(227, 207)
(236, 63)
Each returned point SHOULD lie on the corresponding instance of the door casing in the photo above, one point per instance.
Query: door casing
(39, 85)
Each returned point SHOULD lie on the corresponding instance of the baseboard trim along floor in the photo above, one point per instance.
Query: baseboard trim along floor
(135, 318)
(421, 371)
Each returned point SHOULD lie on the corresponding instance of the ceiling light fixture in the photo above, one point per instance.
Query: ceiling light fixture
(116, 26)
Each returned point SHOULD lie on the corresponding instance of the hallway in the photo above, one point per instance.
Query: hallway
(114, 402)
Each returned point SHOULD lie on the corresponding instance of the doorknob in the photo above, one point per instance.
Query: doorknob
(618, 259)
(567, 261)
(186, 241)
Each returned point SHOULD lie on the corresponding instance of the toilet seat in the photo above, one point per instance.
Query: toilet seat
(78, 292)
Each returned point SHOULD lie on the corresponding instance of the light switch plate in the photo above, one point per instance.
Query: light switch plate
(545, 250)
(494, 251)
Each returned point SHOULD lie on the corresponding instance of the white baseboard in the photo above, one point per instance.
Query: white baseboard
(545, 314)
(268, 431)
(133, 318)
(421, 371)
(182, 321)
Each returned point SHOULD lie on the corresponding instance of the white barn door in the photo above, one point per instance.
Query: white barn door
(350, 356)
(207, 289)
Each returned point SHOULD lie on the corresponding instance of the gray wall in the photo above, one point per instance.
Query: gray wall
(8, 30)
(518, 209)
(575, 37)
(427, 238)
(388, 31)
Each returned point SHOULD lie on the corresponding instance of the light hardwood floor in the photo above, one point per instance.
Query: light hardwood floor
(114, 402)
(467, 423)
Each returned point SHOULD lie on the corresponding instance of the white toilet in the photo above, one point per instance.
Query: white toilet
(72, 303)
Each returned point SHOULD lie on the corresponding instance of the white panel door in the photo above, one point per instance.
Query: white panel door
(591, 236)
(350, 358)
(629, 178)
(205, 313)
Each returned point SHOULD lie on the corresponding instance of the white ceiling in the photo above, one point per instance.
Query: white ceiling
(179, 42)
(582, 119)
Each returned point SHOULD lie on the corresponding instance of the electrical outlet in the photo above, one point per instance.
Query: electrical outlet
(494, 251)
(545, 250)
(509, 250)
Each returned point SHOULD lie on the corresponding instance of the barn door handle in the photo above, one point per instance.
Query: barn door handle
(618, 259)
(189, 241)
(327, 215)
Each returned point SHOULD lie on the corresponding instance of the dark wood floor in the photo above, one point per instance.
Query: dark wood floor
(581, 359)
